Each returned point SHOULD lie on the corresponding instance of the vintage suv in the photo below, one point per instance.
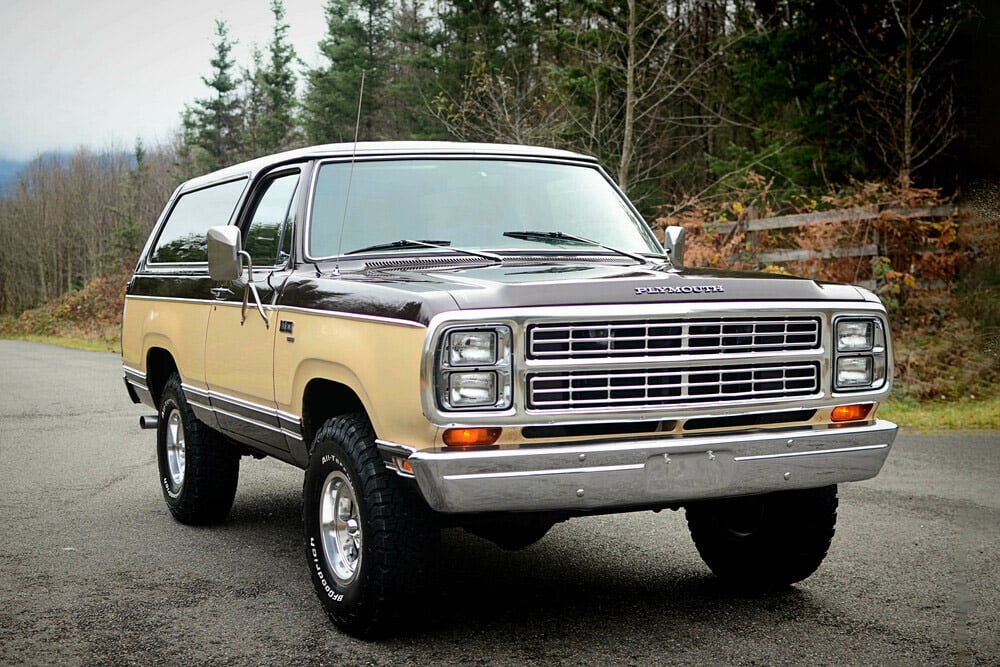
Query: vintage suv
(489, 337)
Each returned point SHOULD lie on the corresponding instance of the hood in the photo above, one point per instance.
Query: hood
(579, 284)
(420, 291)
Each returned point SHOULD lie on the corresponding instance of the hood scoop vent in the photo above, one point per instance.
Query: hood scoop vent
(462, 261)
(418, 263)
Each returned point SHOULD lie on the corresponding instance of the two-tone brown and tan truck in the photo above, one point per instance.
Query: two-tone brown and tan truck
(489, 337)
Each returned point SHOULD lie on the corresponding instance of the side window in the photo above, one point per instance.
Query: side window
(269, 236)
(182, 238)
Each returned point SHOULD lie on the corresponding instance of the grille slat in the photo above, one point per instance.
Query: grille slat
(672, 337)
(673, 386)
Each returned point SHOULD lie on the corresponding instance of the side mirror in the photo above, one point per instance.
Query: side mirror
(673, 236)
(224, 252)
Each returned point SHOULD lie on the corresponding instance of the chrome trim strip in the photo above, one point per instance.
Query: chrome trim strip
(536, 473)
(143, 297)
(287, 424)
(278, 308)
(395, 448)
(350, 316)
(135, 377)
(842, 450)
(238, 404)
(137, 386)
(202, 405)
(198, 397)
(290, 423)
(247, 420)
(257, 424)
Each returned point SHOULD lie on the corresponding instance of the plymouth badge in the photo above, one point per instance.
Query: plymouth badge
(680, 289)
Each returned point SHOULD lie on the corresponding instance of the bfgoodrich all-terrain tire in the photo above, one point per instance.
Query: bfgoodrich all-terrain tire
(199, 469)
(369, 544)
(765, 542)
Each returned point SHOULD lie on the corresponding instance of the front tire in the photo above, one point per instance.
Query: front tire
(199, 469)
(765, 542)
(369, 546)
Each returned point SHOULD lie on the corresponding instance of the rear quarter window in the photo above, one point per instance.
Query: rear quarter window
(182, 239)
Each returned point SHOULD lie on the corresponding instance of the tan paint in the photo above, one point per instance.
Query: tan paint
(238, 355)
(379, 360)
(177, 326)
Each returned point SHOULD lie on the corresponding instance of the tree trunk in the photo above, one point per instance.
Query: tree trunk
(628, 137)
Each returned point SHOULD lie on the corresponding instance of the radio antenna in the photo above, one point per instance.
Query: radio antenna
(350, 173)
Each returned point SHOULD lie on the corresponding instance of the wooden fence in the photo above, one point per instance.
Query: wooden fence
(858, 214)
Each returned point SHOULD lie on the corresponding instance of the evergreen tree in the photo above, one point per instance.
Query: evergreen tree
(412, 78)
(212, 126)
(494, 79)
(357, 40)
(255, 107)
(278, 128)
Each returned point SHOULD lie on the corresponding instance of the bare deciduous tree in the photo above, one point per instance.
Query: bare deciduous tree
(909, 112)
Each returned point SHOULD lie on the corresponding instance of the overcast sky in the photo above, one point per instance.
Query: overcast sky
(99, 73)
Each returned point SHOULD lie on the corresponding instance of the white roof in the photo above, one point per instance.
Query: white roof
(367, 149)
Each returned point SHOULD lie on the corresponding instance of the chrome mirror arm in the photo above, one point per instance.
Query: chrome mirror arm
(251, 288)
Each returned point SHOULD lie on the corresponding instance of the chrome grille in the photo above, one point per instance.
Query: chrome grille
(566, 390)
(672, 337)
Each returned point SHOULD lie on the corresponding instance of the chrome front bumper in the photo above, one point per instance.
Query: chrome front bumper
(654, 472)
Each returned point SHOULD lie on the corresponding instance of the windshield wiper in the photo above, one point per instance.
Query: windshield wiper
(550, 237)
(440, 245)
(402, 243)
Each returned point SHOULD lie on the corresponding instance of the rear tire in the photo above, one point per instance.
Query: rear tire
(369, 545)
(765, 542)
(199, 469)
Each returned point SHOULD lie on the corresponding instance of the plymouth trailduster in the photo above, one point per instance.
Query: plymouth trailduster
(489, 337)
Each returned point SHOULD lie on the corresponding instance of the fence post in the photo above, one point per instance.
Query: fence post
(876, 239)
(750, 216)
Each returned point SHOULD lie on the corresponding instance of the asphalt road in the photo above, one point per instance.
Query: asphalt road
(93, 570)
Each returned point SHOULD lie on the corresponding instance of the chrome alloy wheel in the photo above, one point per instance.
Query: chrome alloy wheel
(175, 447)
(340, 527)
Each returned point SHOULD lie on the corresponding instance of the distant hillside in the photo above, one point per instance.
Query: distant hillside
(8, 173)
(10, 169)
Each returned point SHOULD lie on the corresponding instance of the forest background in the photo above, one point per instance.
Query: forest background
(706, 112)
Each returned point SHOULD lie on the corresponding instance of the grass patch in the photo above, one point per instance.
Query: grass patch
(943, 415)
(85, 319)
(86, 344)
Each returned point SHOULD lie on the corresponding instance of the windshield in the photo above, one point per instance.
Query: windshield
(469, 204)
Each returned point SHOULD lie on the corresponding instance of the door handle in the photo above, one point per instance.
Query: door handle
(221, 293)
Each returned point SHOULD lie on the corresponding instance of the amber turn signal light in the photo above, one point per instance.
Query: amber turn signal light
(402, 464)
(851, 413)
(470, 438)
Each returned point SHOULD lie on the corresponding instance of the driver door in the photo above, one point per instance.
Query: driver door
(239, 349)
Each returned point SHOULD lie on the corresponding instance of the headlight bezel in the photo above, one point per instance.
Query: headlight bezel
(860, 353)
(475, 354)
